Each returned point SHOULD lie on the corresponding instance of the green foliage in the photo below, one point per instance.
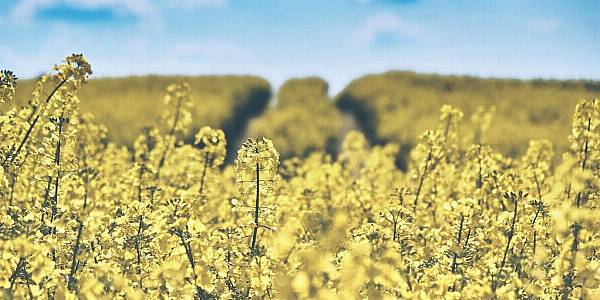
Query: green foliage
(397, 106)
(389, 107)
(303, 119)
(129, 104)
(307, 91)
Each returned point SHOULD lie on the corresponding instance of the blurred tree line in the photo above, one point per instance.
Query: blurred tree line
(397, 106)
(302, 117)
(129, 104)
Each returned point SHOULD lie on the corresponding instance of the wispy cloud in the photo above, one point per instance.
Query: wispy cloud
(547, 25)
(387, 25)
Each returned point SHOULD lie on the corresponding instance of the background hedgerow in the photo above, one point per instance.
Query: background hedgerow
(389, 107)
(129, 104)
(304, 111)
(397, 106)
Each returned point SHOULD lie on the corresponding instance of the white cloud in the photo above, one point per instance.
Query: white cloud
(547, 25)
(62, 40)
(387, 23)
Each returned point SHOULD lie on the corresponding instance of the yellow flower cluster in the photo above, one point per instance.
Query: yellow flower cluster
(84, 218)
(212, 143)
(8, 82)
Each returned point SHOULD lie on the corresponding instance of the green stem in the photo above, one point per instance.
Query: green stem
(206, 162)
(256, 208)
(35, 121)
(71, 278)
(138, 248)
(422, 179)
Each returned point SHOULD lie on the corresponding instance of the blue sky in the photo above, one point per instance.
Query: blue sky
(338, 40)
